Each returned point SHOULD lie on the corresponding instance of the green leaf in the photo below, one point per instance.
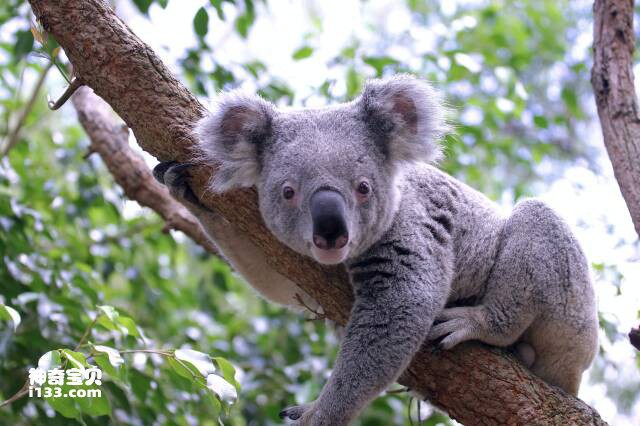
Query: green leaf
(228, 371)
(217, 4)
(107, 323)
(77, 359)
(140, 384)
(23, 45)
(163, 3)
(115, 359)
(182, 368)
(244, 22)
(348, 52)
(102, 360)
(94, 405)
(65, 406)
(225, 390)
(129, 325)
(302, 53)
(50, 360)
(199, 360)
(354, 82)
(213, 402)
(143, 5)
(10, 314)
(201, 22)
(570, 98)
(111, 319)
(541, 121)
(110, 312)
(379, 62)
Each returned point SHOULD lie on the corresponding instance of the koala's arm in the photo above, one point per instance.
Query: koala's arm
(244, 256)
(398, 293)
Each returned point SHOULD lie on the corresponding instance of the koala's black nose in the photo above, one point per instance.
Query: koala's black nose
(329, 222)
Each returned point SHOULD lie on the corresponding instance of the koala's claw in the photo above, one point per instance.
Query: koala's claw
(296, 412)
(455, 325)
(175, 176)
(289, 413)
(161, 168)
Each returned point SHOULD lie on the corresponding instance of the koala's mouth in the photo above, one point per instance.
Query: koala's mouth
(330, 256)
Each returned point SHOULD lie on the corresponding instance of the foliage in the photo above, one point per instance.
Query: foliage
(87, 277)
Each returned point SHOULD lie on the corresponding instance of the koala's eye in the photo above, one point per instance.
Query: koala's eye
(288, 192)
(364, 188)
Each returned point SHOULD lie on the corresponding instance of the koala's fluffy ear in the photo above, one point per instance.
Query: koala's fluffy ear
(232, 136)
(406, 116)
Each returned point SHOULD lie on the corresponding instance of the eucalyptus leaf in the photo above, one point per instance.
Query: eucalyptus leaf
(114, 356)
(225, 390)
(198, 359)
(8, 313)
(50, 360)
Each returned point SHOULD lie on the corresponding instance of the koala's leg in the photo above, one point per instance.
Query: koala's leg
(564, 334)
(247, 259)
(538, 293)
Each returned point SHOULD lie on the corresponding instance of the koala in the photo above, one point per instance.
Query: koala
(429, 258)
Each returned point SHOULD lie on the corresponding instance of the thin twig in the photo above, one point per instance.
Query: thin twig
(14, 135)
(21, 393)
(71, 88)
(87, 332)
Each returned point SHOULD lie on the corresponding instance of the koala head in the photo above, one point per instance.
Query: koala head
(328, 179)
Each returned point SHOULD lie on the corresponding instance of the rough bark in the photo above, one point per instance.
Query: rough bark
(612, 81)
(474, 384)
(110, 139)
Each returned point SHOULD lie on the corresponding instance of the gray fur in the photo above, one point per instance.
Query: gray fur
(239, 123)
(419, 245)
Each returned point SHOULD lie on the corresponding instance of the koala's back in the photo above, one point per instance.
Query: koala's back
(481, 234)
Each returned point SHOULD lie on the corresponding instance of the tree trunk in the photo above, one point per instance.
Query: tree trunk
(612, 80)
(473, 383)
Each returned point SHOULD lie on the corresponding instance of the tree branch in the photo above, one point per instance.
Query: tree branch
(612, 81)
(110, 138)
(474, 384)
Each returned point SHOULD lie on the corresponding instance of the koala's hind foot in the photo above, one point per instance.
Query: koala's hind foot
(525, 353)
(563, 350)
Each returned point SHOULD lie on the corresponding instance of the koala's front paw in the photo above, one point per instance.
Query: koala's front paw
(302, 415)
(458, 325)
(175, 176)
